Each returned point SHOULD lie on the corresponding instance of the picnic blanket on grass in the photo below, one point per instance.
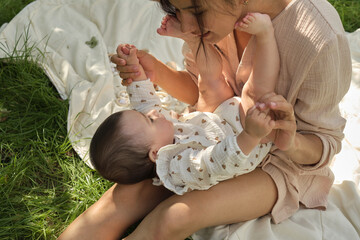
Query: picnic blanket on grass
(71, 40)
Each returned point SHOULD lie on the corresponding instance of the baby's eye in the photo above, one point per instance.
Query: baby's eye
(151, 119)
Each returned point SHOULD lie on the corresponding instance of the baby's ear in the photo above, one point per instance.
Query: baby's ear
(153, 154)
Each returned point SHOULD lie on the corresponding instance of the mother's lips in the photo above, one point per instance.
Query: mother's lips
(203, 35)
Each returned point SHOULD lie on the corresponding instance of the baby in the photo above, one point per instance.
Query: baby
(192, 151)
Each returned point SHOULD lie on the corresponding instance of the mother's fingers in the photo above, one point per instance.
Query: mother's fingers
(127, 68)
(126, 75)
(114, 58)
(282, 106)
(285, 125)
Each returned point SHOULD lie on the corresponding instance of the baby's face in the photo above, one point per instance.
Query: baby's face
(151, 128)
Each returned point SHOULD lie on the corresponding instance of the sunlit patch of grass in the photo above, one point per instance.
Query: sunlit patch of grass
(44, 184)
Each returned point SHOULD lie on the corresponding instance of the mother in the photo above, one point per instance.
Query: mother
(314, 76)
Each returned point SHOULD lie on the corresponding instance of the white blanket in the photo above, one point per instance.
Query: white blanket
(67, 30)
(77, 35)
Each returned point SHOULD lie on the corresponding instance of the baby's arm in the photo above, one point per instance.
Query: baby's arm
(213, 88)
(266, 61)
(196, 168)
(141, 91)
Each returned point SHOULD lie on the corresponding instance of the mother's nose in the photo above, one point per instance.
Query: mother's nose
(188, 22)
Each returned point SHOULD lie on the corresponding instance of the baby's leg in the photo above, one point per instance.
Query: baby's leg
(266, 61)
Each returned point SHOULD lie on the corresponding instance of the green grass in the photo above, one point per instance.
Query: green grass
(349, 11)
(9, 8)
(44, 185)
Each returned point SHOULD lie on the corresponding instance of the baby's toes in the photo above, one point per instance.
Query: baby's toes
(251, 18)
(167, 18)
(162, 31)
(164, 20)
(243, 25)
(246, 20)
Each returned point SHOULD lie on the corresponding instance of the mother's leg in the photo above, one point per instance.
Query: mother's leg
(243, 198)
(120, 207)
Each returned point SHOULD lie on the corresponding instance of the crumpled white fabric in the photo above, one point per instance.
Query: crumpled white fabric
(78, 67)
(346, 165)
(340, 221)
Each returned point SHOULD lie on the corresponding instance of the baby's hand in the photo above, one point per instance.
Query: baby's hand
(258, 123)
(128, 53)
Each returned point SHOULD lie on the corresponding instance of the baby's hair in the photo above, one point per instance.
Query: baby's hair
(115, 155)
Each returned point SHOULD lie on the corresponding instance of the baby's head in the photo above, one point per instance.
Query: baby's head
(124, 147)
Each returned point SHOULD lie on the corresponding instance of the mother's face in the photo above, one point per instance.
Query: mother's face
(218, 17)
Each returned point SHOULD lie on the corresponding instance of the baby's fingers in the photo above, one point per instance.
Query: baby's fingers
(133, 51)
(122, 51)
(125, 50)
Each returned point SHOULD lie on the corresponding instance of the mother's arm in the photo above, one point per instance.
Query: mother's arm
(316, 107)
(304, 149)
(178, 84)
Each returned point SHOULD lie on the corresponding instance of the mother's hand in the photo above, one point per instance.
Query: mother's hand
(285, 123)
(128, 72)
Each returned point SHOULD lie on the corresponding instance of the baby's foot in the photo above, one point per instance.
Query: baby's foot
(256, 23)
(171, 27)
